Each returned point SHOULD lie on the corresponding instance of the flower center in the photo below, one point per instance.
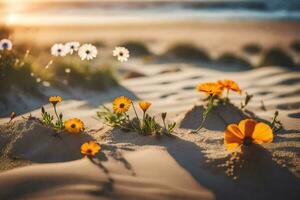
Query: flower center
(5, 45)
(72, 47)
(87, 52)
(73, 126)
(122, 105)
(89, 151)
(247, 141)
(121, 53)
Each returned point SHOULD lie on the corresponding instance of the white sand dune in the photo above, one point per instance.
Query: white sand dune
(181, 167)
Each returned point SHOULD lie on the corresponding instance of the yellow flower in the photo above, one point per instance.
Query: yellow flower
(121, 104)
(144, 105)
(230, 85)
(210, 88)
(55, 99)
(90, 148)
(74, 125)
(248, 131)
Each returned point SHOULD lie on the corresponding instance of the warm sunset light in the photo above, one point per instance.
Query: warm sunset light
(12, 19)
(149, 99)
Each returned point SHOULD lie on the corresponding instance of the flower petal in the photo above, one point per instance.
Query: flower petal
(84, 147)
(247, 126)
(262, 133)
(232, 137)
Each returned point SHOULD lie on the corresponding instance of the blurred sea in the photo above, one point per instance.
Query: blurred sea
(129, 11)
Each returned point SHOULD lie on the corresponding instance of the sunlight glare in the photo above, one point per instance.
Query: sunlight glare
(12, 18)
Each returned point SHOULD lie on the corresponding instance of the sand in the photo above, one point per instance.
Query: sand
(186, 166)
(37, 164)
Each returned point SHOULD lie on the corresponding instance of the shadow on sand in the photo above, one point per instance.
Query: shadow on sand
(261, 177)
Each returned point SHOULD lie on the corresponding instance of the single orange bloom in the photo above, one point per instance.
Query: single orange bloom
(74, 125)
(248, 131)
(55, 99)
(210, 88)
(230, 85)
(90, 148)
(121, 104)
(144, 105)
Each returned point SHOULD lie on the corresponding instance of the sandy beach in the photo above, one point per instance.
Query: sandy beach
(171, 58)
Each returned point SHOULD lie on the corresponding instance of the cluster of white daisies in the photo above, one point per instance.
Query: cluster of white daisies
(86, 51)
(5, 44)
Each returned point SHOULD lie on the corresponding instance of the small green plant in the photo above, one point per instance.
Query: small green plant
(114, 119)
(147, 125)
(48, 119)
(150, 126)
(168, 128)
(214, 91)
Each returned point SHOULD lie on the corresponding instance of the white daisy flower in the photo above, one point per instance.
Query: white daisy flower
(122, 53)
(5, 44)
(58, 50)
(72, 46)
(32, 74)
(87, 51)
(38, 80)
(68, 70)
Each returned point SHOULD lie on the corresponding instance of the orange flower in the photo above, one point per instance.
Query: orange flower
(248, 131)
(210, 88)
(144, 105)
(121, 104)
(90, 148)
(55, 99)
(74, 125)
(230, 85)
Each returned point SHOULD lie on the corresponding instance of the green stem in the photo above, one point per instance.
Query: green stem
(58, 119)
(227, 96)
(56, 112)
(209, 107)
(144, 115)
(135, 112)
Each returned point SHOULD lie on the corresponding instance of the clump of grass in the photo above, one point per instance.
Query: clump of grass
(137, 49)
(187, 52)
(83, 75)
(277, 57)
(232, 59)
(15, 72)
(252, 49)
(295, 46)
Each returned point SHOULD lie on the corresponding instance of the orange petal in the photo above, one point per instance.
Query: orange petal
(232, 146)
(262, 133)
(233, 129)
(247, 126)
(84, 147)
(232, 137)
